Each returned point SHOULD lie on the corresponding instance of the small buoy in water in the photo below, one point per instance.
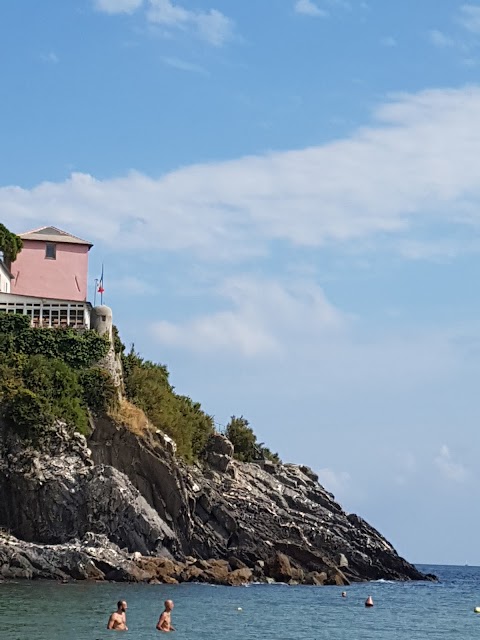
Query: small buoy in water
(369, 602)
(239, 609)
(477, 610)
(344, 594)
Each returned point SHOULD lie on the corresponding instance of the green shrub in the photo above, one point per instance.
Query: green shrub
(244, 440)
(118, 345)
(51, 382)
(98, 390)
(147, 386)
(77, 349)
(41, 369)
(28, 414)
(14, 323)
(50, 374)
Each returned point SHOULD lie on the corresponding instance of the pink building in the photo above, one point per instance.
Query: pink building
(52, 264)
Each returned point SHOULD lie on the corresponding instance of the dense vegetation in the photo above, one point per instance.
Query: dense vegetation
(48, 375)
(77, 349)
(148, 387)
(10, 244)
(244, 440)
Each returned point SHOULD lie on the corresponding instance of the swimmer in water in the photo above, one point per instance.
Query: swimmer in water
(118, 619)
(344, 594)
(164, 622)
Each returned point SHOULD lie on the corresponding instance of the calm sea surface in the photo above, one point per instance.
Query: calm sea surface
(50, 611)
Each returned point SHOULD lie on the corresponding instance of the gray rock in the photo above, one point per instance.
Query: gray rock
(131, 492)
(57, 494)
(220, 445)
(342, 561)
(218, 461)
(252, 513)
(93, 558)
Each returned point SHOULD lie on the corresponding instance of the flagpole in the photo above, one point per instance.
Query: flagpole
(101, 293)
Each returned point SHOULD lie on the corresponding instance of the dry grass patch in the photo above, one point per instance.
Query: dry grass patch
(131, 417)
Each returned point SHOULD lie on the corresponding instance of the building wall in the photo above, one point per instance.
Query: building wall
(48, 313)
(4, 280)
(65, 277)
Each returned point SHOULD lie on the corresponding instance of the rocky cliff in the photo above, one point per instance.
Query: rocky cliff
(123, 507)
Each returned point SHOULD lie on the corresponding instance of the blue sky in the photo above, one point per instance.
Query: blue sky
(285, 195)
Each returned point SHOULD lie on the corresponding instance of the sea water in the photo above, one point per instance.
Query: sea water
(406, 611)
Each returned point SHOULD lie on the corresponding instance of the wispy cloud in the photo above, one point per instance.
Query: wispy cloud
(212, 26)
(262, 315)
(440, 39)
(50, 57)
(388, 41)
(184, 65)
(450, 469)
(117, 6)
(470, 17)
(415, 165)
(342, 4)
(309, 8)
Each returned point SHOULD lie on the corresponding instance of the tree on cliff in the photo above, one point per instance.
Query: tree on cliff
(10, 244)
(244, 440)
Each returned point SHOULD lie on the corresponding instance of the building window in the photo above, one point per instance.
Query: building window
(51, 251)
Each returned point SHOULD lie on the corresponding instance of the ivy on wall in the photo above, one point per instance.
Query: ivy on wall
(77, 349)
(48, 375)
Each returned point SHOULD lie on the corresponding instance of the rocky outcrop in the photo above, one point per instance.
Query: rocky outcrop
(124, 507)
(95, 557)
(55, 493)
(252, 511)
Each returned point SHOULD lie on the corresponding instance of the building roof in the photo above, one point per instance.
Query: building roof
(52, 234)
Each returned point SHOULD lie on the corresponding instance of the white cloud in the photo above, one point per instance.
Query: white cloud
(416, 165)
(450, 469)
(439, 249)
(388, 41)
(51, 57)
(309, 8)
(342, 4)
(263, 316)
(117, 6)
(212, 26)
(184, 65)
(470, 17)
(439, 39)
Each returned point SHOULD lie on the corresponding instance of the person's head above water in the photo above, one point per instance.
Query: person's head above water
(169, 605)
(344, 594)
(122, 606)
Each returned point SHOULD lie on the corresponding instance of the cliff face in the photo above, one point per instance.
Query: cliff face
(229, 508)
(126, 498)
